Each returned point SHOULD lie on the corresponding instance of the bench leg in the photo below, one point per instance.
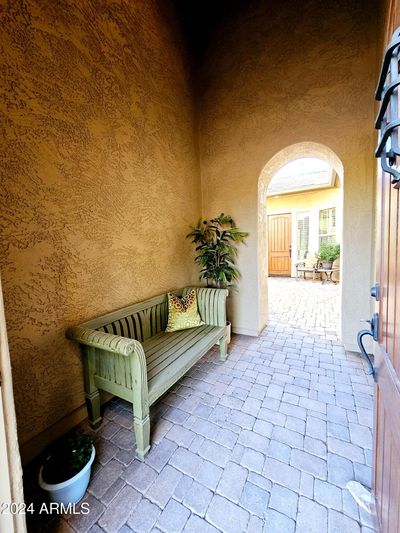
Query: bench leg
(92, 393)
(93, 407)
(142, 434)
(140, 400)
(223, 348)
(141, 421)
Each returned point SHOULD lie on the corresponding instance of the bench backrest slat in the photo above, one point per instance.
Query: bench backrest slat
(145, 319)
(139, 321)
(114, 368)
(211, 304)
(140, 325)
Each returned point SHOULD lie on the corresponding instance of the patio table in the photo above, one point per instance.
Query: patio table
(328, 274)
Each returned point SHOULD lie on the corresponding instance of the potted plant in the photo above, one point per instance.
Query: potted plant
(65, 473)
(328, 253)
(216, 246)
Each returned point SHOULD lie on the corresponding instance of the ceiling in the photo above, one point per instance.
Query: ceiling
(304, 174)
(201, 18)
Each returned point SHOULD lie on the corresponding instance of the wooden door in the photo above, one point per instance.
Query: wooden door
(387, 353)
(280, 245)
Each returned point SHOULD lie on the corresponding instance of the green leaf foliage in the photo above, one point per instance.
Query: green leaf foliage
(328, 251)
(216, 249)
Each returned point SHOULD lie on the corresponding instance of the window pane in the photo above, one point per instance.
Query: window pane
(327, 224)
(329, 239)
(303, 229)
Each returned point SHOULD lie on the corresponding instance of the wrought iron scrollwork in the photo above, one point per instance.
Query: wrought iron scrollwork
(387, 121)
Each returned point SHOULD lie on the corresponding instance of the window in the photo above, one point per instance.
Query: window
(303, 230)
(327, 225)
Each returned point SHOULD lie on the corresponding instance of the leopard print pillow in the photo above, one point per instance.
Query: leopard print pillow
(183, 312)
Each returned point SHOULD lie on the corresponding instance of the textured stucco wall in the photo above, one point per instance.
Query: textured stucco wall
(275, 76)
(99, 179)
(304, 201)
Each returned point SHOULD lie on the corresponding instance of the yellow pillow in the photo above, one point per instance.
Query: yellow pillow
(183, 312)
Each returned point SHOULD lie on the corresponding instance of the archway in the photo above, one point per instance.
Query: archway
(290, 153)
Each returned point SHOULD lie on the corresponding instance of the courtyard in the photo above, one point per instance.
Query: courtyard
(266, 441)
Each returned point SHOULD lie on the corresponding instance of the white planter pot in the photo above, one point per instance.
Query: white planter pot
(72, 490)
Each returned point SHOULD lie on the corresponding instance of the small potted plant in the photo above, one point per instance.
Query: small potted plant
(216, 241)
(328, 253)
(65, 473)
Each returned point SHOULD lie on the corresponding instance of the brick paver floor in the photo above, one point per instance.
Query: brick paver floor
(264, 442)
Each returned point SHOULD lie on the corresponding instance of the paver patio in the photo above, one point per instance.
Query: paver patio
(263, 442)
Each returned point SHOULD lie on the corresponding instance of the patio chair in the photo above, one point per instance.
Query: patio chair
(309, 265)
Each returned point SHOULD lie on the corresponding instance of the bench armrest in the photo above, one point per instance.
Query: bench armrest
(212, 305)
(103, 341)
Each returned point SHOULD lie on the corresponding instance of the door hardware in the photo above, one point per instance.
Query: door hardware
(373, 331)
(375, 291)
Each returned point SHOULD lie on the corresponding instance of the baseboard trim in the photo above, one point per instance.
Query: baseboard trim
(35, 445)
(351, 347)
(246, 331)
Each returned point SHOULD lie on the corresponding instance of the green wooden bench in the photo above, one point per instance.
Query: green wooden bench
(128, 354)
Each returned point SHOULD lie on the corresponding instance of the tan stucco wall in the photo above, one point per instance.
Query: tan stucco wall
(99, 180)
(311, 202)
(303, 201)
(274, 78)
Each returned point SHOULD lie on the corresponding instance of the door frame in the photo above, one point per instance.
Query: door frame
(11, 488)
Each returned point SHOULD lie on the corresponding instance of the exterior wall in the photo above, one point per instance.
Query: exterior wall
(311, 202)
(100, 179)
(264, 88)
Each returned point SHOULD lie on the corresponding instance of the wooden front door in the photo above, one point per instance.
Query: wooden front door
(387, 353)
(280, 245)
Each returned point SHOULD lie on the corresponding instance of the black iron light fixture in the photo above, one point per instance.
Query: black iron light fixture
(387, 121)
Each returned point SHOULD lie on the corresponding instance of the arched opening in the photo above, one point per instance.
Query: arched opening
(277, 167)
